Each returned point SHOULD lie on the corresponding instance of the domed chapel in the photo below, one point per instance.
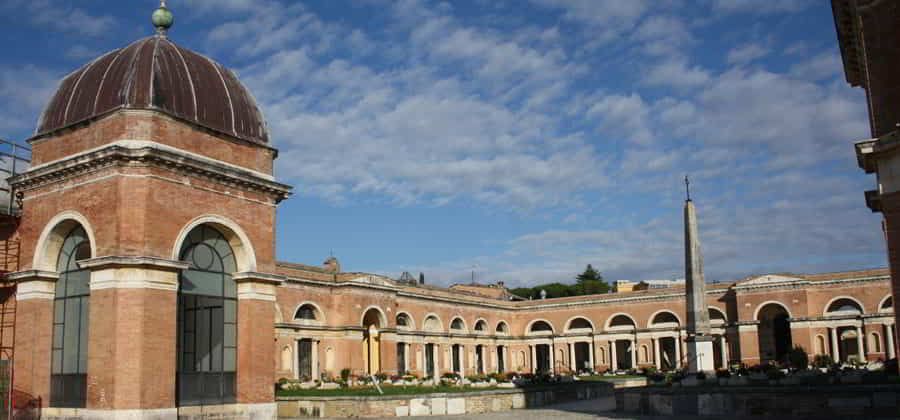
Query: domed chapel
(147, 284)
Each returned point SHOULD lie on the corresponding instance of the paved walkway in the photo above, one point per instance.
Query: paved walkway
(577, 410)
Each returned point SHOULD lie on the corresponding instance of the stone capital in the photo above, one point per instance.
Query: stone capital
(256, 286)
(133, 272)
(34, 284)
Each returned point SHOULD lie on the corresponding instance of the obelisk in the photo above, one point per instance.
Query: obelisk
(699, 341)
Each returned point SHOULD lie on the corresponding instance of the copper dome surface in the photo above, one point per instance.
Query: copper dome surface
(156, 74)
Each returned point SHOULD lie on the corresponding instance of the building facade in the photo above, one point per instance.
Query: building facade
(147, 284)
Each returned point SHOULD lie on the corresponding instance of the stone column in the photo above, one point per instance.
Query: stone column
(634, 352)
(420, 361)
(677, 352)
(656, 354)
(889, 333)
(531, 347)
(613, 360)
(132, 335)
(256, 338)
(552, 357)
(835, 349)
(724, 351)
(34, 331)
(861, 351)
(314, 360)
(591, 354)
(571, 348)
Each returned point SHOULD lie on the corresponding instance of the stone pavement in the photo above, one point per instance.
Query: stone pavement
(577, 410)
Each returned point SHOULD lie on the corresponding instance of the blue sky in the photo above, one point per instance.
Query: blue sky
(523, 138)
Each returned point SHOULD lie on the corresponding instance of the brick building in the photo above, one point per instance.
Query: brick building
(147, 284)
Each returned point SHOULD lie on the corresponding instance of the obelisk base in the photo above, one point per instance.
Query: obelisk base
(700, 354)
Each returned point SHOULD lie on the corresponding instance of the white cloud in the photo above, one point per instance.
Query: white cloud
(61, 17)
(746, 53)
(28, 88)
(676, 73)
(819, 67)
(758, 7)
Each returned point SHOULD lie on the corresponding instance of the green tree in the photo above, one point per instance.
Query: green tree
(590, 282)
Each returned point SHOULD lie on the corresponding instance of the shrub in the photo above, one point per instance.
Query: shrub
(798, 358)
(822, 361)
(499, 377)
(476, 378)
(701, 376)
(381, 376)
(650, 370)
(723, 373)
(345, 374)
(510, 376)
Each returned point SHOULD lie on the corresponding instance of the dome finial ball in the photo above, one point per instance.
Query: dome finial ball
(162, 18)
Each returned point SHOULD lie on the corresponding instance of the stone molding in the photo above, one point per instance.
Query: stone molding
(33, 275)
(145, 153)
(255, 277)
(117, 261)
(252, 290)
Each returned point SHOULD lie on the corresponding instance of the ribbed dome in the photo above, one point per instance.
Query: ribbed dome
(156, 74)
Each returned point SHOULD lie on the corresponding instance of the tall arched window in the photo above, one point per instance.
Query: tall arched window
(68, 373)
(207, 320)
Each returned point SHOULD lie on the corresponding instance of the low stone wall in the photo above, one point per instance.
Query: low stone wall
(827, 401)
(441, 403)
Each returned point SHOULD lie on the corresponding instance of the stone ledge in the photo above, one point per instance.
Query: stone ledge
(117, 261)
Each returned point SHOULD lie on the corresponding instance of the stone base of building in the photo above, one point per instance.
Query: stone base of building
(700, 354)
(264, 411)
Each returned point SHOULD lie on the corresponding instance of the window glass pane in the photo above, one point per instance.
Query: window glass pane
(230, 311)
(201, 283)
(58, 335)
(61, 286)
(229, 286)
(216, 340)
(70, 336)
(228, 264)
(202, 337)
(229, 362)
(230, 338)
(83, 342)
(83, 251)
(56, 367)
(58, 314)
(78, 283)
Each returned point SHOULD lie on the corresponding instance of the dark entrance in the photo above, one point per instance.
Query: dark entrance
(582, 356)
(455, 353)
(429, 360)
(401, 358)
(304, 359)
(479, 359)
(542, 353)
(501, 361)
(774, 333)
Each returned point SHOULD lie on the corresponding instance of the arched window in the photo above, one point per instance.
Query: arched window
(306, 312)
(621, 322)
(502, 328)
(431, 323)
(207, 319)
(662, 319)
(68, 371)
(540, 327)
(403, 320)
(887, 305)
(480, 325)
(716, 316)
(580, 324)
(457, 324)
(844, 306)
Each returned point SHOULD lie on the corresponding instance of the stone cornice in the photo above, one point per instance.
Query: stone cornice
(33, 275)
(138, 153)
(254, 277)
(118, 261)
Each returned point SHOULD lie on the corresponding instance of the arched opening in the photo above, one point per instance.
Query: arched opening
(621, 322)
(71, 306)
(887, 305)
(306, 312)
(717, 317)
(668, 353)
(502, 328)
(540, 327)
(404, 321)
(432, 324)
(774, 332)
(372, 320)
(843, 307)
(207, 319)
(457, 325)
(582, 356)
(664, 319)
(580, 325)
(480, 326)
